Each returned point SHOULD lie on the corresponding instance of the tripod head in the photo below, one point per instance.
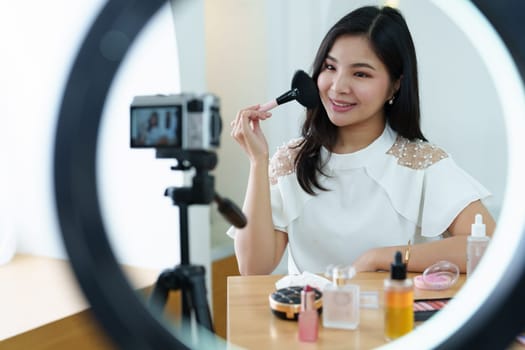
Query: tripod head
(202, 190)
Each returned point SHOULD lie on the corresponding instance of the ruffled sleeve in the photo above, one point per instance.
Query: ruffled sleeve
(447, 190)
(425, 185)
(286, 195)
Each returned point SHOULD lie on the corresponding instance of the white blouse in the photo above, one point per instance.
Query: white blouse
(388, 193)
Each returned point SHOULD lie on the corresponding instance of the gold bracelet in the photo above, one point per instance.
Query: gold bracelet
(407, 253)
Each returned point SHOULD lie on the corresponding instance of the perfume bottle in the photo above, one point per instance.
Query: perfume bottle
(399, 300)
(341, 300)
(308, 318)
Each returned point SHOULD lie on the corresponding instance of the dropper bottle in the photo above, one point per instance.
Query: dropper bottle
(399, 300)
(477, 243)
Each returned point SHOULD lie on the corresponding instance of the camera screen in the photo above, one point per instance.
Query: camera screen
(156, 127)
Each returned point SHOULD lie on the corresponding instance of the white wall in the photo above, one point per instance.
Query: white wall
(142, 224)
(236, 62)
(459, 112)
(37, 54)
(252, 49)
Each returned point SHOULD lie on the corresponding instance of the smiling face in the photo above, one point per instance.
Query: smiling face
(354, 85)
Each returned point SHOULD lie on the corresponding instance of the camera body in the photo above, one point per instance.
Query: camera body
(185, 121)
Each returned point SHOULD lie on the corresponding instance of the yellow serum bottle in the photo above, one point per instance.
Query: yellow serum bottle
(398, 300)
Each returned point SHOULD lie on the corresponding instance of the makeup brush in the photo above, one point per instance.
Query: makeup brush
(304, 90)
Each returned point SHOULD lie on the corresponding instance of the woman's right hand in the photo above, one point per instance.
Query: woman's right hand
(246, 130)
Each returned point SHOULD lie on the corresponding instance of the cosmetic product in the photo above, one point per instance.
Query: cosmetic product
(438, 276)
(369, 299)
(477, 243)
(399, 300)
(426, 308)
(304, 90)
(308, 317)
(285, 303)
(341, 300)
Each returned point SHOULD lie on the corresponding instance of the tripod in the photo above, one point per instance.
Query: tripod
(189, 278)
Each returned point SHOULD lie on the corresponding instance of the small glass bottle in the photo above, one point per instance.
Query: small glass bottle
(477, 243)
(399, 301)
(308, 318)
(341, 300)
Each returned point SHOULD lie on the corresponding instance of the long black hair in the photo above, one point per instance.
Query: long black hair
(389, 37)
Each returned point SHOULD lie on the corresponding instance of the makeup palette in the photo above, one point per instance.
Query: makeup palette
(285, 303)
(426, 308)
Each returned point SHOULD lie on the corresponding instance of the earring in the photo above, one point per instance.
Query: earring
(391, 101)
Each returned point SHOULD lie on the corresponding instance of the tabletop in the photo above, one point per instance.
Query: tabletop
(252, 325)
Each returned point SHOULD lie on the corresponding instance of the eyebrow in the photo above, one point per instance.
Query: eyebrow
(354, 65)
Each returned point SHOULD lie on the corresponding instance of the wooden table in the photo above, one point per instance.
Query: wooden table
(42, 307)
(250, 323)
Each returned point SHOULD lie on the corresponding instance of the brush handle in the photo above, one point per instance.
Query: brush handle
(268, 105)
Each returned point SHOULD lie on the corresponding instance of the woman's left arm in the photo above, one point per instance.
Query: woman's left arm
(453, 249)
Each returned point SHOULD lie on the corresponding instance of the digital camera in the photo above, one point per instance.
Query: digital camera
(179, 122)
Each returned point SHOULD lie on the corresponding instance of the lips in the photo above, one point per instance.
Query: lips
(342, 106)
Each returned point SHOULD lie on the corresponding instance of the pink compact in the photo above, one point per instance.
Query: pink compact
(441, 275)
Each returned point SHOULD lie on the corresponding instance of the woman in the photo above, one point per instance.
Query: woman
(362, 181)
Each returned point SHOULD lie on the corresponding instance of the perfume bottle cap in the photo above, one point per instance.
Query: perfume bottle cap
(340, 274)
(398, 270)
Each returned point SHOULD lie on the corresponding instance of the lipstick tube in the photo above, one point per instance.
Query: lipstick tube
(308, 317)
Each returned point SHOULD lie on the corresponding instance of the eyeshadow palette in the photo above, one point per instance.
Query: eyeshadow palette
(426, 308)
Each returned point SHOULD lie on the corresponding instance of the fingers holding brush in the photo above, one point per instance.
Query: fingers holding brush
(247, 132)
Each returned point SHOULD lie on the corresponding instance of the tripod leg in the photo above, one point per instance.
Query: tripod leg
(159, 295)
(195, 278)
(186, 303)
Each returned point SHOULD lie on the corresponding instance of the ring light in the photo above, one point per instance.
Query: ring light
(122, 314)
